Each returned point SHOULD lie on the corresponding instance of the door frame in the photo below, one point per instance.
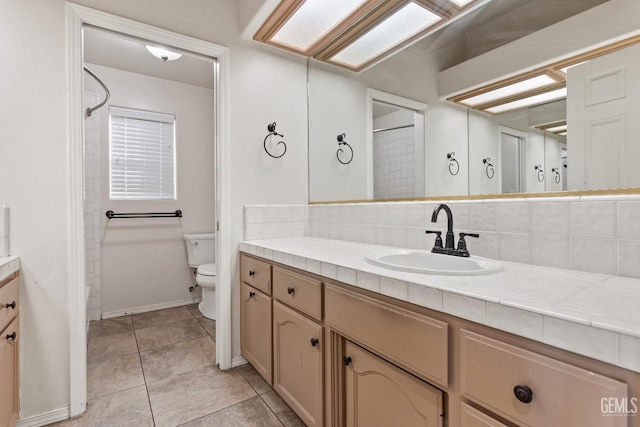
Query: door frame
(399, 101)
(522, 152)
(77, 17)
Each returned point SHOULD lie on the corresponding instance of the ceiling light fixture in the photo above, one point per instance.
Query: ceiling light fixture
(162, 53)
(401, 26)
(313, 20)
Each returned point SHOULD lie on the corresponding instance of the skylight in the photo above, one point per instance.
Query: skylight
(397, 28)
(313, 20)
(529, 101)
(461, 3)
(509, 90)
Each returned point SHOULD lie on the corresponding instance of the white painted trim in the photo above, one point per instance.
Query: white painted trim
(147, 308)
(76, 256)
(389, 98)
(44, 419)
(238, 361)
(223, 214)
(77, 16)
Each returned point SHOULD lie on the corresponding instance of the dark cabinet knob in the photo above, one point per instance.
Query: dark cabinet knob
(290, 290)
(252, 294)
(314, 342)
(523, 393)
(12, 305)
(252, 273)
(12, 336)
(347, 360)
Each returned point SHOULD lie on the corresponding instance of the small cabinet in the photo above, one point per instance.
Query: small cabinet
(297, 356)
(471, 417)
(378, 393)
(9, 353)
(255, 330)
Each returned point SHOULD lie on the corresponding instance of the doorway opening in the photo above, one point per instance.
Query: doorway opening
(396, 147)
(79, 17)
(512, 161)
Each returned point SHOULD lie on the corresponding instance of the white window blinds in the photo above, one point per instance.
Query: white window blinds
(142, 154)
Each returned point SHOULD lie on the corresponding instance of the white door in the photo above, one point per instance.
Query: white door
(603, 95)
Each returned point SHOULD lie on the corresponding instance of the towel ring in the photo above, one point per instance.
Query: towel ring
(271, 127)
(488, 168)
(341, 141)
(453, 164)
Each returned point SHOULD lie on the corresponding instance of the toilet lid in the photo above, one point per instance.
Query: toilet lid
(207, 269)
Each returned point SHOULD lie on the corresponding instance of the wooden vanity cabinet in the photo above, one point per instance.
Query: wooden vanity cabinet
(9, 352)
(344, 356)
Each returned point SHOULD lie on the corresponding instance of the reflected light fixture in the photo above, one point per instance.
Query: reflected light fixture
(510, 90)
(529, 101)
(162, 53)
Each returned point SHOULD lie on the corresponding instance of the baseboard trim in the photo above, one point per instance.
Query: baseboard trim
(146, 308)
(238, 361)
(44, 419)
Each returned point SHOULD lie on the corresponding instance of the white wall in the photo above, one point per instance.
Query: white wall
(339, 105)
(265, 86)
(144, 260)
(534, 148)
(483, 143)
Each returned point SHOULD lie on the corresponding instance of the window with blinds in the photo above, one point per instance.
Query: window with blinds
(142, 154)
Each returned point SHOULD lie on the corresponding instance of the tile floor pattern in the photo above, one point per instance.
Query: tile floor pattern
(158, 369)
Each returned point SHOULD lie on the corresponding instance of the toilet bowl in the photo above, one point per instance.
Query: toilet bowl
(206, 279)
(201, 251)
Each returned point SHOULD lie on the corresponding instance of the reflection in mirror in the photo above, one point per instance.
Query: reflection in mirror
(515, 142)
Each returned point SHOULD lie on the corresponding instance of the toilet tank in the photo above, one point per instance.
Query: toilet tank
(201, 249)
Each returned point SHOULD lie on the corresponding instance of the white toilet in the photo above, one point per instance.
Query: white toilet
(201, 254)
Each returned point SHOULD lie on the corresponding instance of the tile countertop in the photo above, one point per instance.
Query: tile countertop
(594, 315)
(8, 265)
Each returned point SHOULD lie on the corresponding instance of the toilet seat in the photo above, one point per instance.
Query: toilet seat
(207, 269)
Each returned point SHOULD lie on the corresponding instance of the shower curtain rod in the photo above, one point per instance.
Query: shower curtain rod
(106, 99)
(394, 128)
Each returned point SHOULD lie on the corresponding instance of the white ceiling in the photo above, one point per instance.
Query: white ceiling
(116, 51)
(495, 24)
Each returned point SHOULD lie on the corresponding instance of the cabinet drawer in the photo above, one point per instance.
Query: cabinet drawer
(471, 417)
(8, 302)
(255, 273)
(562, 394)
(415, 342)
(298, 291)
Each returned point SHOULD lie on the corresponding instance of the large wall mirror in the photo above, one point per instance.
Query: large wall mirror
(408, 139)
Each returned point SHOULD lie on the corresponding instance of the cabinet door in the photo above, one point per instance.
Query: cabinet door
(255, 329)
(378, 393)
(9, 375)
(297, 356)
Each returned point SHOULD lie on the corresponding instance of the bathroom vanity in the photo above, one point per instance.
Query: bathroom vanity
(344, 343)
(9, 341)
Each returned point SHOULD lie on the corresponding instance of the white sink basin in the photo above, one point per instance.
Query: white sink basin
(425, 262)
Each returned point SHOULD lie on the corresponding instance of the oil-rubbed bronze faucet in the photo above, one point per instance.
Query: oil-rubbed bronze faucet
(449, 244)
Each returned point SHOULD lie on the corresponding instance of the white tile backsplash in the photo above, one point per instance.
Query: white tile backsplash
(594, 255)
(593, 219)
(588, 233)
(513, 218)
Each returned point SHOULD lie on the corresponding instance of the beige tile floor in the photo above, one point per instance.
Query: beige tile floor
(158, 369)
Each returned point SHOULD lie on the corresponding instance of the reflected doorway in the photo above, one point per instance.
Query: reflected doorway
(512, 160)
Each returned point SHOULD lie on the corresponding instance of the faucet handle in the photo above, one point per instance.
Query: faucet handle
(438, 242)
(462, 244)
